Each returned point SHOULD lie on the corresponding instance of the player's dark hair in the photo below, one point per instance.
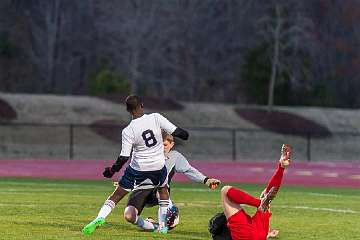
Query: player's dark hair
(218, 227)
(133, 102)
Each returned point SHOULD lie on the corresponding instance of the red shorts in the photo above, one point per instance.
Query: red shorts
(244, 227)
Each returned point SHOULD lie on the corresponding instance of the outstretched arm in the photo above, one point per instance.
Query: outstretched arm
(195, 175)
(182, 165)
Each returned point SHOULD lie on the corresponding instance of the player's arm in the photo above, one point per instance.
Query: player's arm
(124, 156)
(110, 171)
(182, 165)
(170, 128)
(181, 133)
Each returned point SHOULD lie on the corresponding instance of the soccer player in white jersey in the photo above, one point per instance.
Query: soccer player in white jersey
(175, 163)
(142, 140)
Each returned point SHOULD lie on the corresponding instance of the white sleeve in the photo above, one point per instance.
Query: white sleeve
(127, 143)
(164, 123)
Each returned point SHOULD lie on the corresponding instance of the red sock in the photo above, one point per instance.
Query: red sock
(276, 179)
(237, 196)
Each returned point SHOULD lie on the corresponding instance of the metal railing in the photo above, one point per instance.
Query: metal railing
(80, 141)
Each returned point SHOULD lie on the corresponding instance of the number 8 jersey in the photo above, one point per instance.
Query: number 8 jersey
(143, 136)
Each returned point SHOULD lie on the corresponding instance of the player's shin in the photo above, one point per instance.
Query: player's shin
(163, 207)
(170, 203)
(106, 209)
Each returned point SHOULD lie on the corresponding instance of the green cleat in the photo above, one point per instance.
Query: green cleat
(163, 230)
(92, 226)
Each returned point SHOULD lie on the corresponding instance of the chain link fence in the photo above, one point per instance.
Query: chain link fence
(60, 141)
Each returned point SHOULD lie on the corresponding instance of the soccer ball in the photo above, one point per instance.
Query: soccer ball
(176, 222)
(172, 217)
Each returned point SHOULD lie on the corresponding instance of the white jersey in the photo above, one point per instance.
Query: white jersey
(143, 137)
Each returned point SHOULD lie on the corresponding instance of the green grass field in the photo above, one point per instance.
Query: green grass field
(58, 209)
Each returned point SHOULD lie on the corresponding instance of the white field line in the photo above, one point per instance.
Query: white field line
(326, 195)
(18, 205)
(335, 210)
(207, 204)
(301, 193)
(320, 209)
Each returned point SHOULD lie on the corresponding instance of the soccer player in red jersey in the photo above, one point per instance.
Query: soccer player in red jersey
(256, 227)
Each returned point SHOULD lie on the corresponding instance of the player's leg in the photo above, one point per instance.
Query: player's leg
(112, 201)
(262, 216)
(131, 215)
(232, 197)
(105, 210)
(125, 185)
(136, 203)
(172, 213)
(284, 162)
(160, 179)
(163, 207)
(276, 179)
(238, 221)
(154, 198)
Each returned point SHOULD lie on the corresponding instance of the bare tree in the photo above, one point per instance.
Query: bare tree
(336, 55)
(207, 46)
(135, 32)
(44, 30)
(282, 32)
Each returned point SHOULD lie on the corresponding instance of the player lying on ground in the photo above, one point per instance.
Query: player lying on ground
(240, 224)
(219, 230)
(175, 163)
(142, 137)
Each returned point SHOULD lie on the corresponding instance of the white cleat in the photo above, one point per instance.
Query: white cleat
(285, 155)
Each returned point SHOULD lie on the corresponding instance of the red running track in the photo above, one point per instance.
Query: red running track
(329, 174)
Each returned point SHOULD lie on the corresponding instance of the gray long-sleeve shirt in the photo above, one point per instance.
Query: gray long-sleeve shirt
(176, 162)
